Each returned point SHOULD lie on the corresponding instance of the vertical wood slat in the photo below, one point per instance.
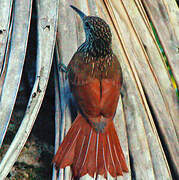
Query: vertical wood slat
(156, 98)
(167, 91)
(5, 14)
(143, 125)
(5, 60)
(163, 14)
(58, 116)
(152, 146)
(21, 24)
(47, 19)
(65, 48)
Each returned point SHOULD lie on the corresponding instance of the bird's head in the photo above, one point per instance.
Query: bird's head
(96, 29)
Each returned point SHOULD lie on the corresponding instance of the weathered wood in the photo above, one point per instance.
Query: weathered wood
(158, 67)
(120, 20)
(5, 14)
(148, 160)
(47, 19)
(5, 35)
(58, 116)
(5, 61)
(149, 67)
(21, 24)
(65, 50)
(164, 16)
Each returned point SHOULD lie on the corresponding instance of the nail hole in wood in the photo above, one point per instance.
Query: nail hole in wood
(2, 31)
(48, 27)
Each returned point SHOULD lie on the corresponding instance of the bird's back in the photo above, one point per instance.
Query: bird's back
(95, 84)
(82, 69)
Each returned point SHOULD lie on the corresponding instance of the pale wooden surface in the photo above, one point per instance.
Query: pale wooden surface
(5, 14)
(16, 56)
(147, 116)
(47, 21)
(164, 16)
(147, 94)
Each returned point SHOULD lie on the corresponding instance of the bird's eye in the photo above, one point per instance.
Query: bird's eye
(87, 24)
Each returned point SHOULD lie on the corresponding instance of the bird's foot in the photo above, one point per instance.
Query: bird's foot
(63, 67)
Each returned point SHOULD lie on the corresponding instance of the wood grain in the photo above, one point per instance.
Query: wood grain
(164, 16)
(146, 90)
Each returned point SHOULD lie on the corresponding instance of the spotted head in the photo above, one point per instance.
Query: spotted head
(98, 34)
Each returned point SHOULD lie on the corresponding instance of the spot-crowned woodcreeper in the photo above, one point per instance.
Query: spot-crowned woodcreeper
(91, 146)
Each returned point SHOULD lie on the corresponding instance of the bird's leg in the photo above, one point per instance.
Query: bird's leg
(63, 67)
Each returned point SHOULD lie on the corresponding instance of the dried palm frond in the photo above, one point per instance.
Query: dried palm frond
(139, 120)
(47, 19)
(147, 115)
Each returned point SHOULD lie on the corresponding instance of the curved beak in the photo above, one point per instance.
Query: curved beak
(80, 13)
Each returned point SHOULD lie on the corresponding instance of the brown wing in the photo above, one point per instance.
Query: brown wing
(96, 88)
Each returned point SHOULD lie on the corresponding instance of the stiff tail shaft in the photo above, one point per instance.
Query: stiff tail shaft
(90, 152)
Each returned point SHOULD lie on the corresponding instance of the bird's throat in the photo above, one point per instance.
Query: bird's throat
(96, 48)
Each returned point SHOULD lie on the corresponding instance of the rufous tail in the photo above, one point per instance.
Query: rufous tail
(90, 152)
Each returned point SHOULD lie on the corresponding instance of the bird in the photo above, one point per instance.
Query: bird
(91, 145)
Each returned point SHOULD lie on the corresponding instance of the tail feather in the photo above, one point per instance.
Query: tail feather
(78, 152)
(91, 159)
(82, 150)
(83, 169)
(70, 152)
(100, 156)
(119, 151)
(80, 168)
(105, 155)
(114, 154)
(90, 152)
(66, 144)
(111, 166)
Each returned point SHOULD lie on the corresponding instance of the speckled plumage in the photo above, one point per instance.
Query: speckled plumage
(92, 146)
(84, 69)
(94, 58)
(98, 38)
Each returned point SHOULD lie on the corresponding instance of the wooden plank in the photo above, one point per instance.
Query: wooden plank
(5, 60)
(65, 50)
(122, 22)
(5, 14)
(164, 16)
(58, 116)
(172, 10)
(158, 68)
(21, 22)
(155, 91)
(47, 20)
(144, 145)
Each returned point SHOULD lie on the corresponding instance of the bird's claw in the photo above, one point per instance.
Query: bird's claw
(63, 67)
